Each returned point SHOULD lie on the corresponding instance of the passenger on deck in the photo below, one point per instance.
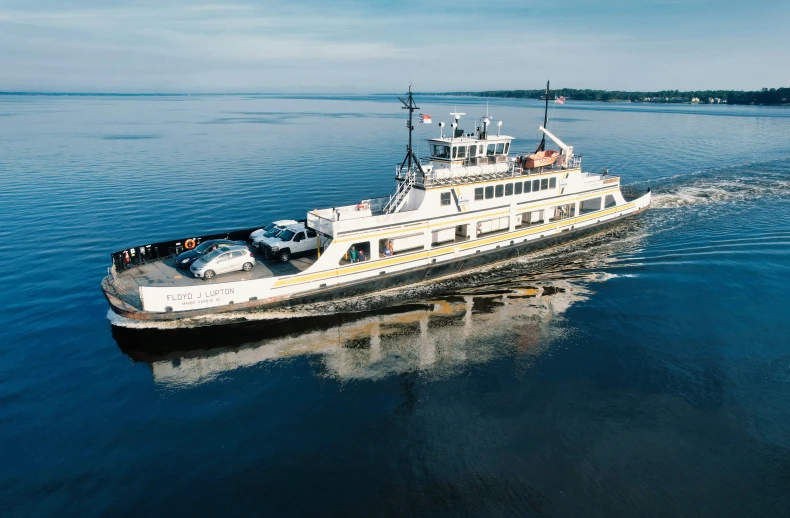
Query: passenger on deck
(479, 229)
(388, 250)
(361, 256)
(353, 254)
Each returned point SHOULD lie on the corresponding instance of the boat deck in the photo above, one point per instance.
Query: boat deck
(165, 273)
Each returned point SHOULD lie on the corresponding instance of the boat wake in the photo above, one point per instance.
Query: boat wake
(744, 183)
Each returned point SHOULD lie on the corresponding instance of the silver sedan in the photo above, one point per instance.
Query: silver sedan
(223, 261)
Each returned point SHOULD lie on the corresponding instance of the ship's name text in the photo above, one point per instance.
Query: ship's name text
(201, 295)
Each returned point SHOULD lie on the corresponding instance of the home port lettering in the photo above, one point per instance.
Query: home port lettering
(201, 297)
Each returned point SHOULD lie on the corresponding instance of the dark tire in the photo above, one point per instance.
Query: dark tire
(247, 267)
(209, 274)
(284, 256)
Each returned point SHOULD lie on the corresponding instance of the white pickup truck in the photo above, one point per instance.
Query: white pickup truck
(258, 234)
(273, 231)
(295, 239)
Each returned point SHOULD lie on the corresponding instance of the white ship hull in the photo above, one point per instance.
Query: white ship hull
(470, 204)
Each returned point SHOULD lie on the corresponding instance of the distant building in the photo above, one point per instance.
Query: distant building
(695, 100)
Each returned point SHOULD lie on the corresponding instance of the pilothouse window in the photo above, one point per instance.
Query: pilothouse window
(500, 148)
(461, 152)
(440, 151)
(491, 149)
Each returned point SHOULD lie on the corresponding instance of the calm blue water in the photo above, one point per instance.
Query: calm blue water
(644, 371)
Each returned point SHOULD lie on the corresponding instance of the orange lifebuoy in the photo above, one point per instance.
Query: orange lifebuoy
(189, 244)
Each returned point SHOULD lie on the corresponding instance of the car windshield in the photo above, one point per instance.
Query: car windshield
(202, 247)
(269, 227)
(211, 256)
(273, 232)
(287, 235)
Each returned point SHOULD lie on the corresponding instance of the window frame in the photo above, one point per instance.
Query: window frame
(489, 192)
(479, 193)
(499, 190)
(445, 199)
(553, 182)
(518, 188)
(509, 187)
(528, 186)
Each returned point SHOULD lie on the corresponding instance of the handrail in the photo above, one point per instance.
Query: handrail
(431, 180)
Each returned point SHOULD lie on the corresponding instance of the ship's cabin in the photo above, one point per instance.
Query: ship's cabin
(468, 149)
(449, 153)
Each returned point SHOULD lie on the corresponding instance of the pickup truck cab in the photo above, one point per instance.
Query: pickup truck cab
(272, 233)
(295, 239)
(280, 223)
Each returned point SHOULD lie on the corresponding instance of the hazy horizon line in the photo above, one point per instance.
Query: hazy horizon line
(470, 92)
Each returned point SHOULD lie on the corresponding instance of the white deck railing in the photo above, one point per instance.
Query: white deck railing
(450, 176)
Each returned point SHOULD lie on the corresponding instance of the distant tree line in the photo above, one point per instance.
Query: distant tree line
(764, 96)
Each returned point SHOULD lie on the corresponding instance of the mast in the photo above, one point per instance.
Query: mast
(542, 145)
(409, 104)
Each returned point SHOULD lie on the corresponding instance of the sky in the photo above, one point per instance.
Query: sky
(356, 46)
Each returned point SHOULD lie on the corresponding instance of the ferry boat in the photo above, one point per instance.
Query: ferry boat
(469, 204)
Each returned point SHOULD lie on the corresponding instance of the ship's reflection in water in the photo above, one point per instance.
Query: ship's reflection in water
(435, 337)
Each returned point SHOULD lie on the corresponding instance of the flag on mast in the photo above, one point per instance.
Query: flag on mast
(559, 100)
(425, 119)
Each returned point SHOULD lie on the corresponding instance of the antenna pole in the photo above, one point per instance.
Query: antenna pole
(409, 104)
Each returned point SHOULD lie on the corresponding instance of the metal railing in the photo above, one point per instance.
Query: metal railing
(403, 187)
(431, 179)
(320, 224)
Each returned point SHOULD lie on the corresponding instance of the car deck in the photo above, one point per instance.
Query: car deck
(165, 273)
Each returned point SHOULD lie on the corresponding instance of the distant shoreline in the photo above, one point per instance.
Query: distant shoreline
(765, 97)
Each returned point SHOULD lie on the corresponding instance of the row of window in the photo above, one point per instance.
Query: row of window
(388, 247)
(439, 151)
(509, 189)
